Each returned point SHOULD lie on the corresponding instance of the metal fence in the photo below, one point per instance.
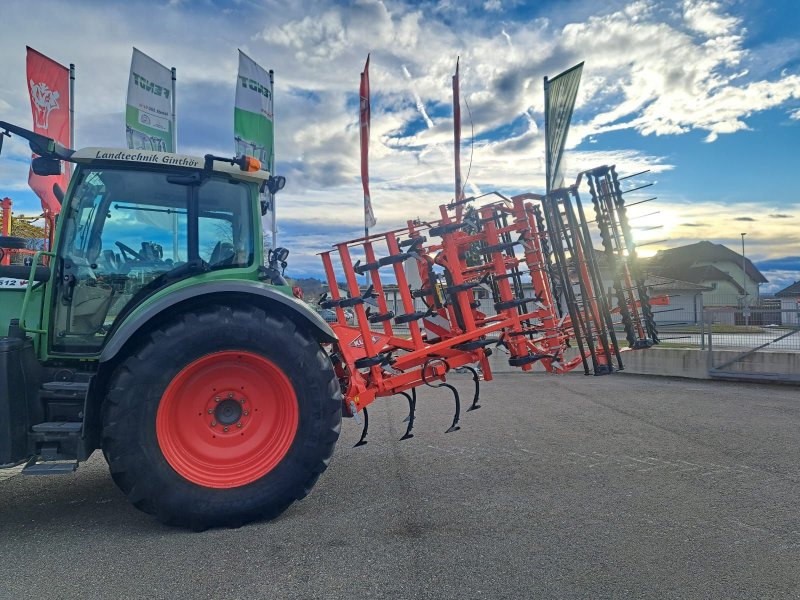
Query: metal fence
(687, 325)
(762, 329)
(680, 322)
(757, 346)
(686, 322)
(725, 328)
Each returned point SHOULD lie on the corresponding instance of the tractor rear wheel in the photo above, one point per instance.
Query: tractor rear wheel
(220, 417)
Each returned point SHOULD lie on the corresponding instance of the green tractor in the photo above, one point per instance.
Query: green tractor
(155, 331)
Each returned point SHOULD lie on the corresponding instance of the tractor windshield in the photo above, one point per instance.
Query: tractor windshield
(125, 230)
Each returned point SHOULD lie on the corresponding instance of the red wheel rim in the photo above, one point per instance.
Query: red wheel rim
(227, 419)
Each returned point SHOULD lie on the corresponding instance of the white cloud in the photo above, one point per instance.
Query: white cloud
(706, 17)
(417, 100)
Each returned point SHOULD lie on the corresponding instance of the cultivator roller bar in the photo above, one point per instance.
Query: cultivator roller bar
(520, 274)
(633, 299)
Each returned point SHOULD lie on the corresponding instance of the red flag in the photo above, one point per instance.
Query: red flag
(48, 88)
(457, 139)
(364, 110)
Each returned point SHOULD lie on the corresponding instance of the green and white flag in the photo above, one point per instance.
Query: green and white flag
(254, 128)
(252, 114)
(150, 111)
(559, 102)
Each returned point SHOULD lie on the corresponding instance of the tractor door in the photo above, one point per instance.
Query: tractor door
(126, 232)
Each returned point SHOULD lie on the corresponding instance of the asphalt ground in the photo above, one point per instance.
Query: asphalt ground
(558, 487)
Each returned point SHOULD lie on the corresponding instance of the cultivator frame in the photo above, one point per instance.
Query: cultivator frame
(492, 245)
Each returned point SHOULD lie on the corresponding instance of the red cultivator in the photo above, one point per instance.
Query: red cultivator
(563, 320)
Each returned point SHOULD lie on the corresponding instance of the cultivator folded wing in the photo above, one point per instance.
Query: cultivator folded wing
(562, 319)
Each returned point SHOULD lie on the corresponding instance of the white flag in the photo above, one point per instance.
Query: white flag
(149, 115)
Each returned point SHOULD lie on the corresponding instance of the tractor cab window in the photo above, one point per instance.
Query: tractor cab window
(224, 237)
(126, 234)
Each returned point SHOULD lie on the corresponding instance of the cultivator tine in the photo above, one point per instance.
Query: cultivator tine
(457, 416)
(412, 407)
(363, 439)
(412, 404)
(476, 379)
(641, 202)
(636, 189)
(634, 174)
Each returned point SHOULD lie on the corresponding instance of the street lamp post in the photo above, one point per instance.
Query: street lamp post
(745, 311)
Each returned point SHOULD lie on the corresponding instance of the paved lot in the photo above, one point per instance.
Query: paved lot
(569, 487)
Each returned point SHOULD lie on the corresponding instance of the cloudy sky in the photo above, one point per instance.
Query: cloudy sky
(705, 94)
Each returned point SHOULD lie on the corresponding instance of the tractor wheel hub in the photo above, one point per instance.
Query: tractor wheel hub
(228, 412)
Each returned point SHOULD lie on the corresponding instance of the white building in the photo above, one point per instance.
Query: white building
(790, 304)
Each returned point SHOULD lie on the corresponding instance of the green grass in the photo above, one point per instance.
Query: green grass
(675, 345)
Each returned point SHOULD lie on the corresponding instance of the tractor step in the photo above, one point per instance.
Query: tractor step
(57, 444)
(49, 468)
(57, 447)
(71, 386)
(58, 427)
(63, 400)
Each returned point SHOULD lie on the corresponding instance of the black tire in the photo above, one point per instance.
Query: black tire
(13, 243)
(130, 441)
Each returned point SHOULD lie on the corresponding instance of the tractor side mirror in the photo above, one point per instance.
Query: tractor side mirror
(46, 166)
(276, 183)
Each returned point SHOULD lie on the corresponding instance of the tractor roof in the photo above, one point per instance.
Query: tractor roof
(149, 157)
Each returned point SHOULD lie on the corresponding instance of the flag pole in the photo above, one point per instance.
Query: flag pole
(360, 139)
(272, 159)
(174, 112)
(364, 117)
(459, 191)
(71, 112)
(174, 72)
(546, 138)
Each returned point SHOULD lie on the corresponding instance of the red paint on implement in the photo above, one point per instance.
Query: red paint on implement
(227, 419)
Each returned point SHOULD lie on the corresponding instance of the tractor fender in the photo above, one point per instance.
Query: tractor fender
(289, 306)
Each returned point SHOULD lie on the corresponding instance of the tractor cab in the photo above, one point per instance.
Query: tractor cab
(128, 232)
(132, 223)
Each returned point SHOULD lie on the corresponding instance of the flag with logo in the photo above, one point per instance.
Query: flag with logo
(252, 114)
(559, 102)
(48, 89)
(149, 114)
(253, 127)
(363, 120)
